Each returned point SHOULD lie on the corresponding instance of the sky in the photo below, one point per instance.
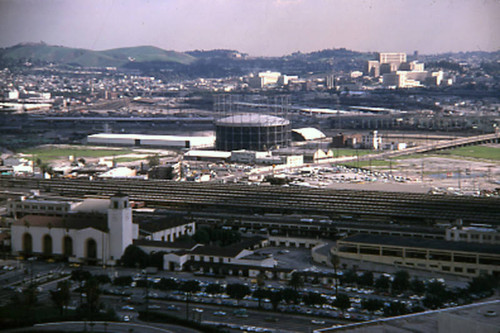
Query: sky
(256, 27)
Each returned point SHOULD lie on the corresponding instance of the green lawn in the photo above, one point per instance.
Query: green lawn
(49, 153)
(129, 159)
(482, 152)
(479, 152)
(352, 152)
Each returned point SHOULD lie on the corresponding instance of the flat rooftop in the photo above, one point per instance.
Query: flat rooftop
(431, 244)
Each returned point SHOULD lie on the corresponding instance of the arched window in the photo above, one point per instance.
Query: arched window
(91, 249)
(27, 243)
(67, 246)
(47, 245)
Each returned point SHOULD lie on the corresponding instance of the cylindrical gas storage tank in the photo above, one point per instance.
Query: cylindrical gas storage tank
(252, 131)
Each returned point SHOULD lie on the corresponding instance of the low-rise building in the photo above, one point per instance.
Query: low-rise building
(474, 234)
(458, 258)
(372, 141)
(32, 206)
(167, 229)
(237, 254)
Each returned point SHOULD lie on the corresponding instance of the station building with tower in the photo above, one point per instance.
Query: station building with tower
(92, 231)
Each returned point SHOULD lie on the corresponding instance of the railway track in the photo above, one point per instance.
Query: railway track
(247, 198)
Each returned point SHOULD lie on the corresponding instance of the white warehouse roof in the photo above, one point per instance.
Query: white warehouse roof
(121, 172)
(208, 154)
(309, 133)
(176, 141)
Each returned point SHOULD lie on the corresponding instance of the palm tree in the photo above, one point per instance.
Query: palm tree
(189, 287)
(335, 260)
(260, 283)
(296, 282)
(61, 296)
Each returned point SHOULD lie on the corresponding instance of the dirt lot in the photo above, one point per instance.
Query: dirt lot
(444, 174)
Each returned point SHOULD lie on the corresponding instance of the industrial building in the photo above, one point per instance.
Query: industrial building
(252, 131)
(141, 140)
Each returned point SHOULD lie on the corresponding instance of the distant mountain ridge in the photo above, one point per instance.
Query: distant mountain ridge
(151, 60)
(119, 57)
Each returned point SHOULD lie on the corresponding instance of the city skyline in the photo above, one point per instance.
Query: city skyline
(259, 28)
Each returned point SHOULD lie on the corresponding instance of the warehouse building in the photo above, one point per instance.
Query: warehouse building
(141, 140)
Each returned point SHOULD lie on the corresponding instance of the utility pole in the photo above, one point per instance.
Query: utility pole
(459, 180)
(422, 173)
(357, 157)
(147, 294)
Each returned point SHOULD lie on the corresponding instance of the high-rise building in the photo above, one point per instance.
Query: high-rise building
(392, 58)
(373, 68)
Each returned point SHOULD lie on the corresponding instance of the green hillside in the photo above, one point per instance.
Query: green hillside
(149, 53)
(43, 53)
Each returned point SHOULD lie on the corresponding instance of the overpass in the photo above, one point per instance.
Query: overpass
(446, 144)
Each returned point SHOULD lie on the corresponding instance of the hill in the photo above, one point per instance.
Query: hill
(41, 53)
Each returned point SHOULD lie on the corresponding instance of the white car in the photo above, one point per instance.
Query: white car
(128, 307)
(219, 313)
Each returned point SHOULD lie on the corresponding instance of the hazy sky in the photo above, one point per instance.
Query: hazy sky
(257, 27)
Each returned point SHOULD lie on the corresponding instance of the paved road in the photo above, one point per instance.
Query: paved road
(80, 326)
(278, 322)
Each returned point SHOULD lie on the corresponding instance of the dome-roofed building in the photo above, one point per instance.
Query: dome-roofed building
(252, 131)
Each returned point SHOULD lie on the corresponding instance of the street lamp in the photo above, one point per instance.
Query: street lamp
(31, 259)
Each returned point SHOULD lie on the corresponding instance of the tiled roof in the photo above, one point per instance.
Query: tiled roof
(72, 221)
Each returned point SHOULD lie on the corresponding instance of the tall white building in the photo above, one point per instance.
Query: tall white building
(372, 141)
(120, 223)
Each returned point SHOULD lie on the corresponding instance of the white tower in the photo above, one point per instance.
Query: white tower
(120, 225)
